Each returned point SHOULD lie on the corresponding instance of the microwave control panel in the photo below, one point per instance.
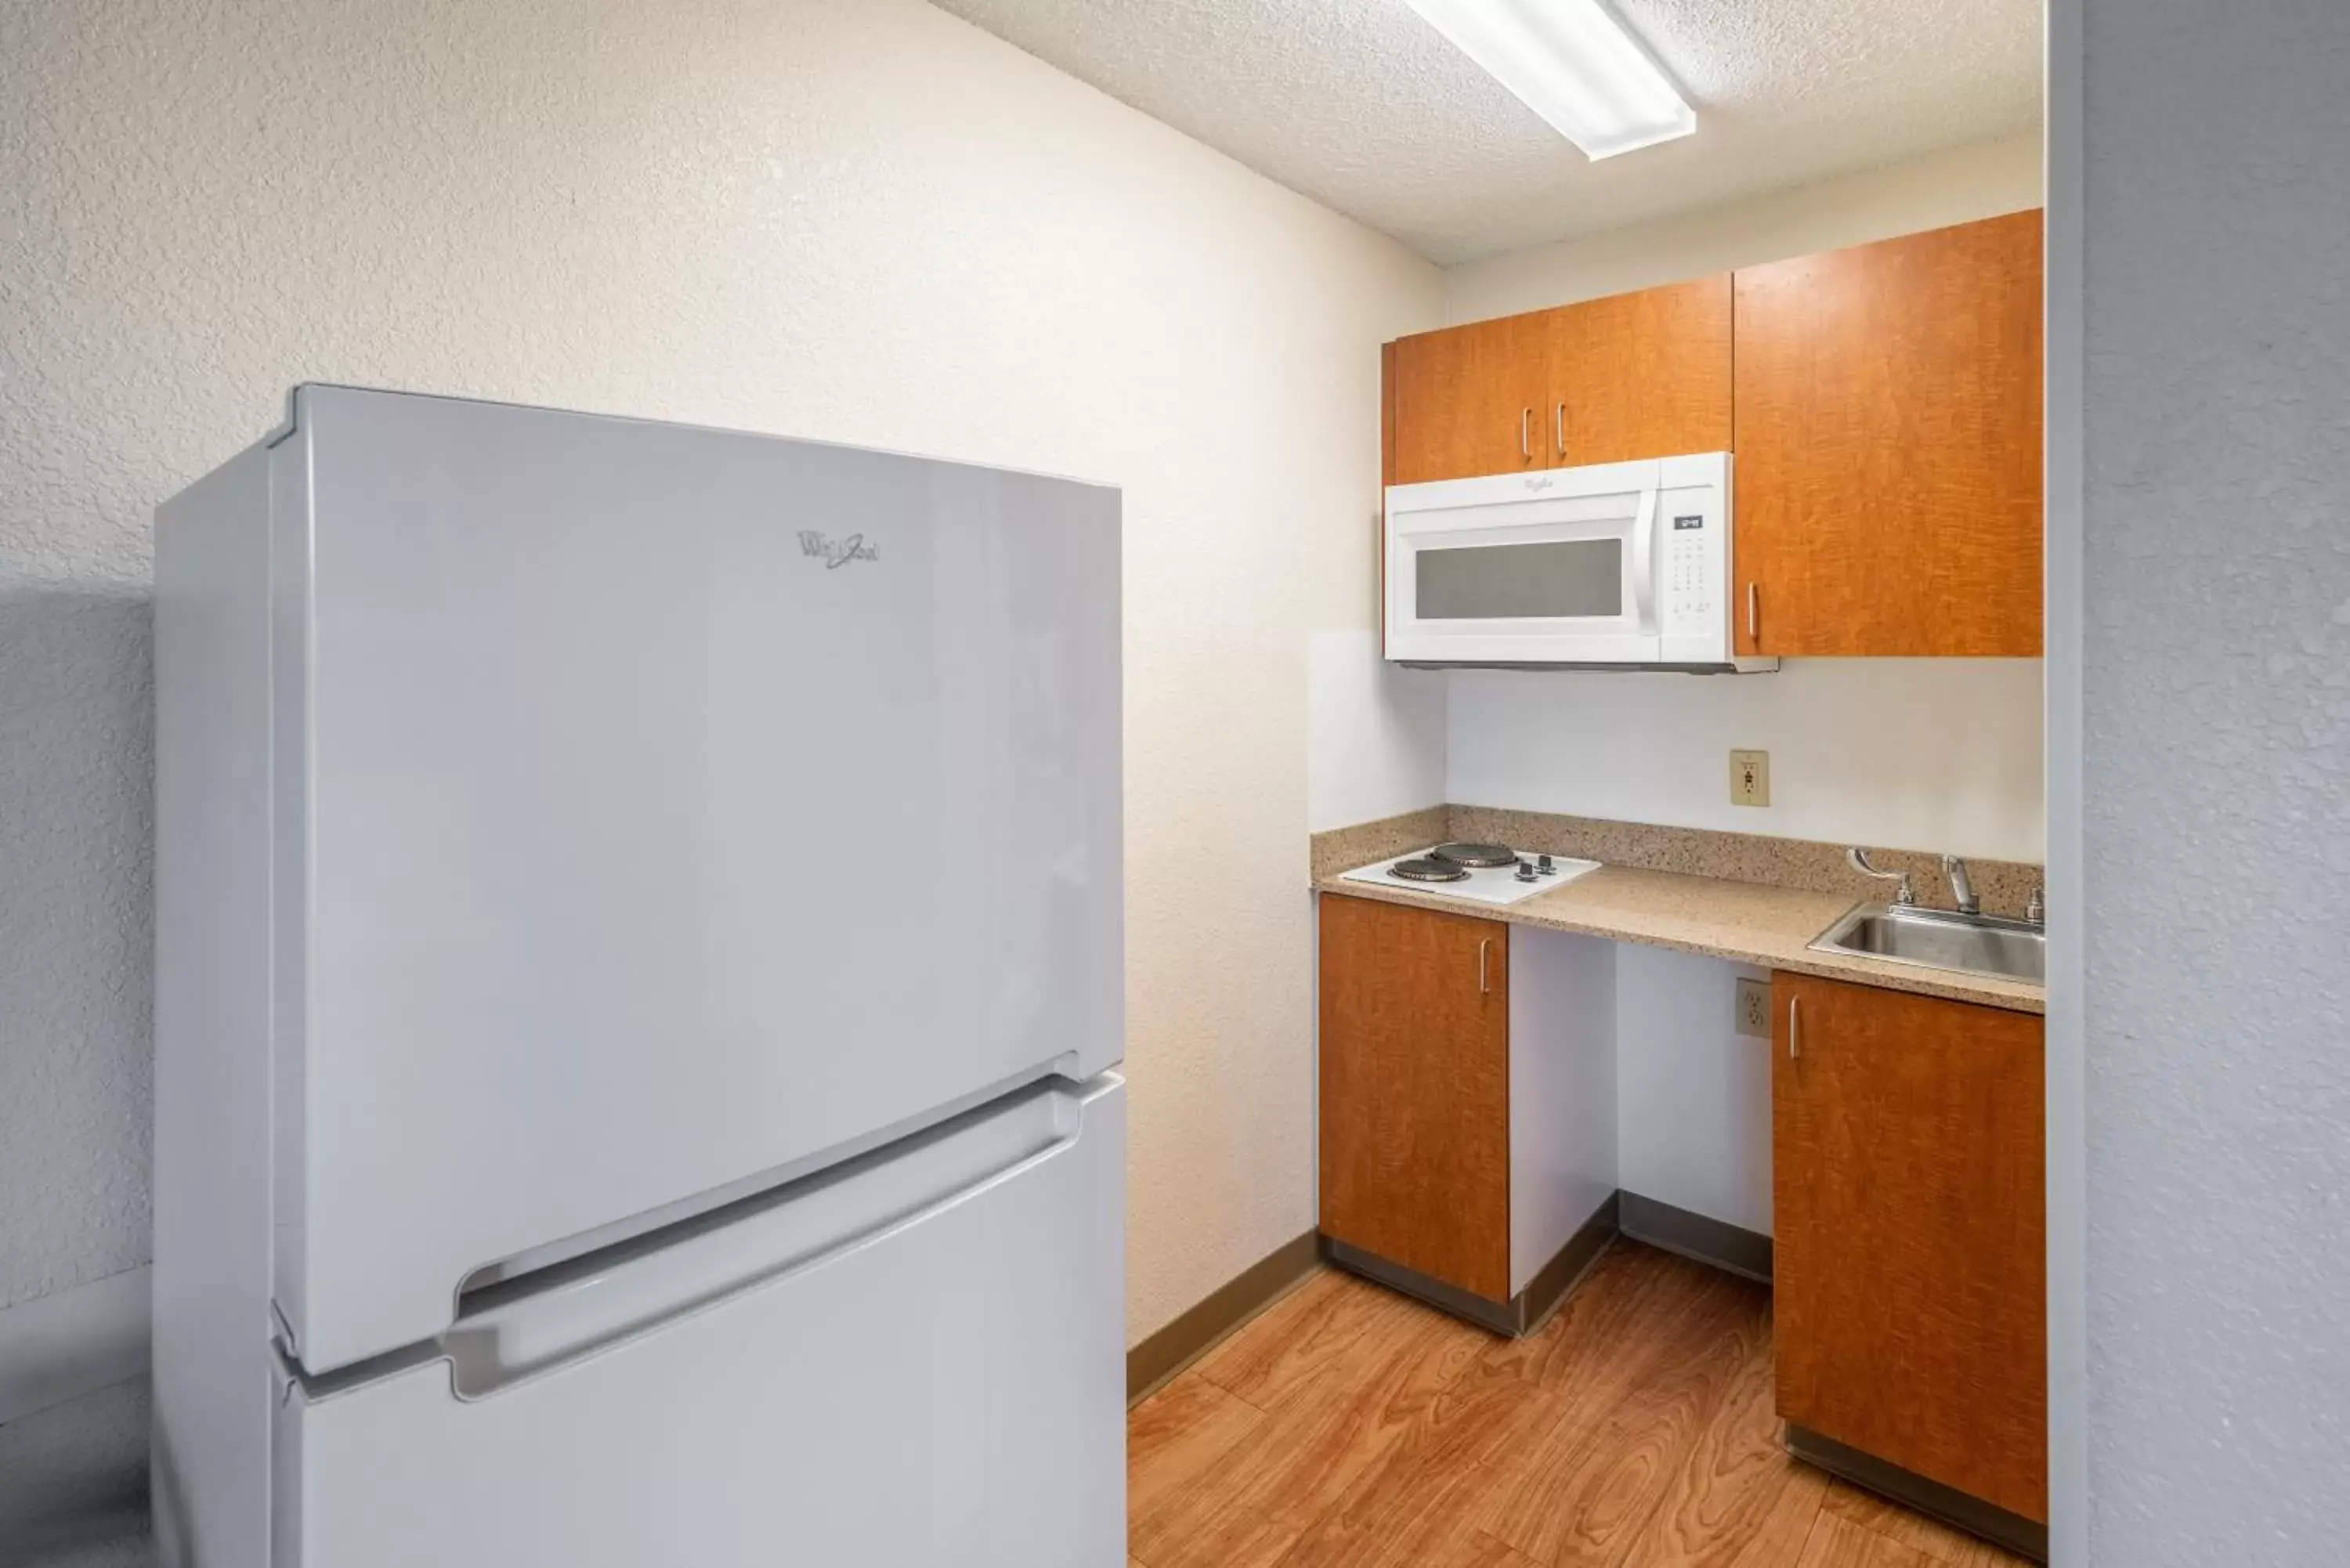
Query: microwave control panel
(1688, 571)
(1694, 606)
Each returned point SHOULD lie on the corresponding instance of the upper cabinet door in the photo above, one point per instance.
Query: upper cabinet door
(1888, 485)
(1469, 401)
(1640, 375)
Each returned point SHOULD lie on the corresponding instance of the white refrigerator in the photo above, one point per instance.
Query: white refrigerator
(638, 972)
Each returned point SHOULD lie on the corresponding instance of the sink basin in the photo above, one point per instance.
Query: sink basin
(1936, 938)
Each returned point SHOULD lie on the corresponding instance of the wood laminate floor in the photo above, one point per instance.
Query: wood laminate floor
(1349, 1425)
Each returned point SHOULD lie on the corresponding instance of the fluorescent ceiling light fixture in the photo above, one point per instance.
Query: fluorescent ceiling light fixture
(1572, 63)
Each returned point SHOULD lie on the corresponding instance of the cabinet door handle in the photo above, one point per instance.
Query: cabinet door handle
(1795, 1040)
(1526, 433)
(1484, 983)
(1753, 613)
(1558, 428)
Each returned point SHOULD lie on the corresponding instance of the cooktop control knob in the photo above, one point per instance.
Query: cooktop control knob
(1543, 865)
(1525, 871)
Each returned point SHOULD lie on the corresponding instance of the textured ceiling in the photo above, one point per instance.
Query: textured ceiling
(1361, 106)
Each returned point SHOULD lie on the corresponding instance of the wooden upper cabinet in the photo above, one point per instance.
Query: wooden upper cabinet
(1468, 401)
(1910, 1233)
(1608, 381)
(1640, 375)
(1887, 484)
(1415, 1068)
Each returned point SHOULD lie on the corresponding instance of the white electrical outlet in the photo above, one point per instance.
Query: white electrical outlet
(1754, 1008)
(1749, 778)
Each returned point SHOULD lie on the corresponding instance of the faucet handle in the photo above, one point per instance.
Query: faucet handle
(1963, 886)
(2036, 911)
(1857, 859)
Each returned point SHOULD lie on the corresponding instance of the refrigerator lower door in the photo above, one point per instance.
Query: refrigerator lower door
(895, 1377)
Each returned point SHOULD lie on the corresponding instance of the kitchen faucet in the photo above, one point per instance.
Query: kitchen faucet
(1903, 897)
(1961, 888)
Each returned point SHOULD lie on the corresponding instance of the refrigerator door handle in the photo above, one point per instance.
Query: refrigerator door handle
(523, 1327)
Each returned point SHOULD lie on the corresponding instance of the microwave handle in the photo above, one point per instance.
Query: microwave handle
(1644, 560)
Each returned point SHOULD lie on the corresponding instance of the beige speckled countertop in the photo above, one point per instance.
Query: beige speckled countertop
(1750, 922)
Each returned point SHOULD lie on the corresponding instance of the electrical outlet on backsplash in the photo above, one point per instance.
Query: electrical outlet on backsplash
(1749, 778)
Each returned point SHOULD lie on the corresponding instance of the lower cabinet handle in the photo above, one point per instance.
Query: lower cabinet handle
(1795, 1045)
(1484, 985)
(1526, 433)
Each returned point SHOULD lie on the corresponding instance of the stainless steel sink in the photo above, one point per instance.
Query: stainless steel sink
(1937, 939)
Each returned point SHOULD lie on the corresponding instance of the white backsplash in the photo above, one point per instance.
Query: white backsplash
(1914, 753)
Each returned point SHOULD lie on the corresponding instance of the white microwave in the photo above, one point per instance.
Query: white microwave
(1614, 565)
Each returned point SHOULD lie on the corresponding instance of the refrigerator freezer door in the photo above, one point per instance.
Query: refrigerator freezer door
(948, 1391)
(659, 807)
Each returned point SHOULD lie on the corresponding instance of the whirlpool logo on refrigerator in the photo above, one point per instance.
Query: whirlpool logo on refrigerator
(836, 553)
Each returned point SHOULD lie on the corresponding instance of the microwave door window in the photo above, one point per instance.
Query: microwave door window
(1572, 579)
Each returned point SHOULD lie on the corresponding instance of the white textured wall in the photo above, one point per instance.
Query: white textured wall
(852, 219)
(1981, 180)
(1941, 754)
(1375, 733)
(2216, 778)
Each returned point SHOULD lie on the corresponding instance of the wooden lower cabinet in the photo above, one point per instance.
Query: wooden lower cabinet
(1909, 1213)
(1414, 1095)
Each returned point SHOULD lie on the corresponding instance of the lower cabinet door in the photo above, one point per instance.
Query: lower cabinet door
(1414, 1059)
(1909, 1189)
